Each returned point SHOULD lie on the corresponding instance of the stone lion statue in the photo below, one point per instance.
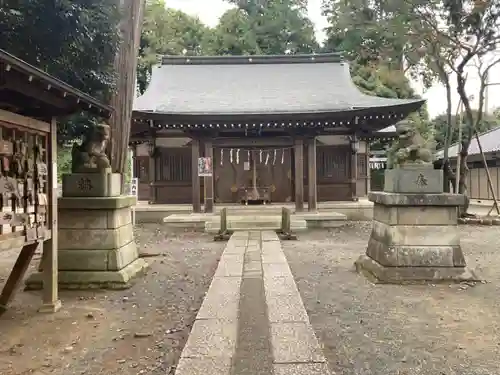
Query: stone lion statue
(90, 156)
(411, 147)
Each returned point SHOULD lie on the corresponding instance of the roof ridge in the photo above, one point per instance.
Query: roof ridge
(334, 57)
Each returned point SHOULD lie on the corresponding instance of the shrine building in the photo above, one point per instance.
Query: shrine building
(274, 129)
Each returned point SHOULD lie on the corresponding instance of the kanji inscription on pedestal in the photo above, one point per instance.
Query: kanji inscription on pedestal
(421, 180)
(85, 184)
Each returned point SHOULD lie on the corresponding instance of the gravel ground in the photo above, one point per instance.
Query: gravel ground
(137, 331)
(371, 329)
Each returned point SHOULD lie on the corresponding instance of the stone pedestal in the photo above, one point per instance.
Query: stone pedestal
(96, 244)
(415, 236)
(91, 185)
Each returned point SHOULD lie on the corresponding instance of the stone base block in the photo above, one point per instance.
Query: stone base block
(380, 274)
(91, 185)
(97, 260)
(96, 244)
(413, 180)
(415, 256)
(121, 279)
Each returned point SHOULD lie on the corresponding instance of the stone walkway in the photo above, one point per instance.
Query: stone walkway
(252, 321)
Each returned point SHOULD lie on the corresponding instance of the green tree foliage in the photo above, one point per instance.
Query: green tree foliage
(375, 37)
(252, 27)
(440, 124)
(74, 40)
(264, 27)
(167, 32)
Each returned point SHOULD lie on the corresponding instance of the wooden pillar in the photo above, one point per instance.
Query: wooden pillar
(311, 175)
(209, 180)
(368, 169)
(152, 171)
(50, 296)
(299, 174)
(195, 179)
(354, 143)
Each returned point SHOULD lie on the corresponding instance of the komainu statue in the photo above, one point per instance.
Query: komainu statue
(411, 147)
(90, 156)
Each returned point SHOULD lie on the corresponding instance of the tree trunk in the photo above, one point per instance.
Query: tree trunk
(447, 172)
(462, 181)
(126, 73)
(464, 170)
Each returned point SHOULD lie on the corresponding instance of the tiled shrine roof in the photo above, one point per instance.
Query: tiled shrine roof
(250, 86)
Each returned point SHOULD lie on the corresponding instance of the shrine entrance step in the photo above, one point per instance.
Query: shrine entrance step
(253, 222)
(253, 210)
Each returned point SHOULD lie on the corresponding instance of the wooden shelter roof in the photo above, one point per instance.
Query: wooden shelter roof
(29, 91)
(288, 90)
(490, 143)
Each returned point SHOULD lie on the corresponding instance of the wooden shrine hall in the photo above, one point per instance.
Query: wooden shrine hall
(269, 129)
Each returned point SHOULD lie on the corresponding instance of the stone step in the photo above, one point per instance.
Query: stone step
(238, 223)
(252, 210)
(256, 221)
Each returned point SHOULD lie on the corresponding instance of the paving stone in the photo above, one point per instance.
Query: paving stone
(276, 269)
(252, 266)
(233, 249)
(280, 285)
(277, 257)
(295, 342)
(252, 275)
(204, 366)
(269, 236)
(232, 257)
(302, 369)
(227, 286)
(211, 338)
(252, 256)
(286, 308)
(218, 306)
(229, 269)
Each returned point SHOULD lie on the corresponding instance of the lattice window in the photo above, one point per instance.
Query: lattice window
(176, 166)
(332, 163)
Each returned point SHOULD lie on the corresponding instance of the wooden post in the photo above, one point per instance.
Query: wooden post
(311, 175)
(50, 297)
(152, 171)
(209, 180)
(223, 234)
(299, 174)
(285, 231)
(368, 169)
(195, 179)
(354, 167)
(22, 263)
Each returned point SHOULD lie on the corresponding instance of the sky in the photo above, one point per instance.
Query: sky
(209, 12)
